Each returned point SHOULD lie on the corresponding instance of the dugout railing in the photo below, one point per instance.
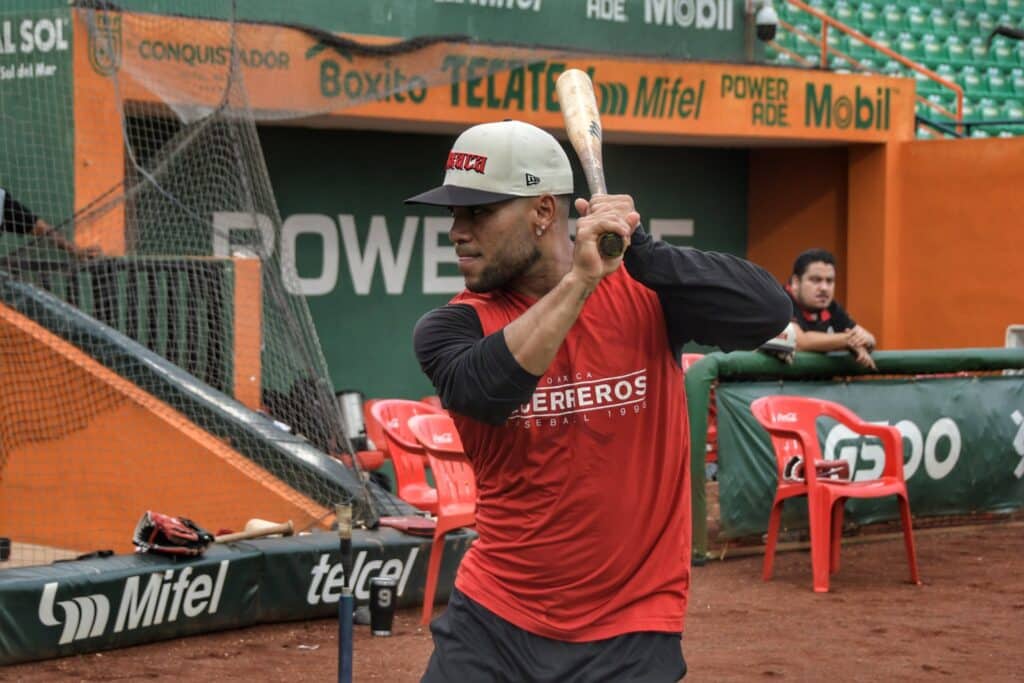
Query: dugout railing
(962, 419)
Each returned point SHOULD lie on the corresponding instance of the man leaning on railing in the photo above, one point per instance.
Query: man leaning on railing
(823, 325)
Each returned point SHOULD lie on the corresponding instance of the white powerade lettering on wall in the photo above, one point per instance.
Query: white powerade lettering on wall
(939, 451)
(376, 250)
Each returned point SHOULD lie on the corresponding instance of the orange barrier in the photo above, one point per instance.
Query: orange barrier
(85, 453)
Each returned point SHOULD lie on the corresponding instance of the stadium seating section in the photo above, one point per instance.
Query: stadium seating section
(950, 37)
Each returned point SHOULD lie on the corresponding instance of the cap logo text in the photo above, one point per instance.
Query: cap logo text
(532, 180)
(460, 161)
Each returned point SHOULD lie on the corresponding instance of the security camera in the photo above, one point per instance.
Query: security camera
(767, 22)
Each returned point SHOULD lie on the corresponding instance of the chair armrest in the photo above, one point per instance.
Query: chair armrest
(891, 438)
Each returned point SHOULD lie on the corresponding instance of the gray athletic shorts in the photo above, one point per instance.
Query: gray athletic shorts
(474, 645)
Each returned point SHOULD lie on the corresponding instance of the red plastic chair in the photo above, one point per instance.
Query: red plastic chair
(711, 443)
(456, 490)
(790, 420)
(435, 401)
(407, 456)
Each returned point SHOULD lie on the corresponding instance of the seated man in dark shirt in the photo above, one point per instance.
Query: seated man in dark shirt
(15, 217)
(823, 324)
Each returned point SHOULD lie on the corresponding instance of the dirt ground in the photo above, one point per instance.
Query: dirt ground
(966, 623)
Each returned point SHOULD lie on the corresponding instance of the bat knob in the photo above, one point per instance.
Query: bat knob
(611, 245)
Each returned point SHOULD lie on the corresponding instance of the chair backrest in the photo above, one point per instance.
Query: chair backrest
(784, 421)
(374, 432)
(794, 419)
(453, 474)
(433, 400)
(392, 415)
(689, 359)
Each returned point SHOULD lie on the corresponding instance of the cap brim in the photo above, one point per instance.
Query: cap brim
(453, 195)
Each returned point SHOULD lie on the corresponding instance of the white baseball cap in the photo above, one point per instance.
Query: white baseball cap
(493, 162)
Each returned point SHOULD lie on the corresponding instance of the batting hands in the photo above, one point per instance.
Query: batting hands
(603, 213)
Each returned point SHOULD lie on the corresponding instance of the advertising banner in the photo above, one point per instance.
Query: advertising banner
(291, 73)
(682, 29)
(113, 602)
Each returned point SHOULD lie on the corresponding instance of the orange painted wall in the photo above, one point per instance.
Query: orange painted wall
(83, 453)
(927, 234)
(961, 237)
(797, 200)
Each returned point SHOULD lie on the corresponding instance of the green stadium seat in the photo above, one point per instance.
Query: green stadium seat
(995, 6)
(868, 65)
(956, 52)
(948, 5)
(1003, 52)
(941, 24)
(985, 23)
(840, 65)
(804, 47)
(1017, 84)
(786, 12)
(837, 40)
(868, 19)
(844, 13)
(947, 102)
(783, 59)
(997, 82)
(1015, 7)
(963, 23)
(1013, 110)
(947, 72)
(862, 50)
(933, 50)
(925, 86)
(970, 80)
(908, 46)
(786, 39)
(980, 133)
(885, 40)
(895, 69)
(917, 21)
(973, 6)
(1006, 19)
(894, 19)
(988, 110)
(978, 51)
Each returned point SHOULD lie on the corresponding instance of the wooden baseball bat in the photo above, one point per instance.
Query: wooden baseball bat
(285, 528)
(583, 125)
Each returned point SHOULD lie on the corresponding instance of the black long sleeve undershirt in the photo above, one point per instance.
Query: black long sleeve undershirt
(714, 299)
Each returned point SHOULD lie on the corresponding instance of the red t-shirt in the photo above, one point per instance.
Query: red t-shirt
(584, 494)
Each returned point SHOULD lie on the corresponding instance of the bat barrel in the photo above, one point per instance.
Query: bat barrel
(583, 126)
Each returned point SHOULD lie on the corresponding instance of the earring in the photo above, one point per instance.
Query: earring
(540, 231)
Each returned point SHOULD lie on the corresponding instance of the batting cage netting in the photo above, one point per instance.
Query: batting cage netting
(154, 352)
